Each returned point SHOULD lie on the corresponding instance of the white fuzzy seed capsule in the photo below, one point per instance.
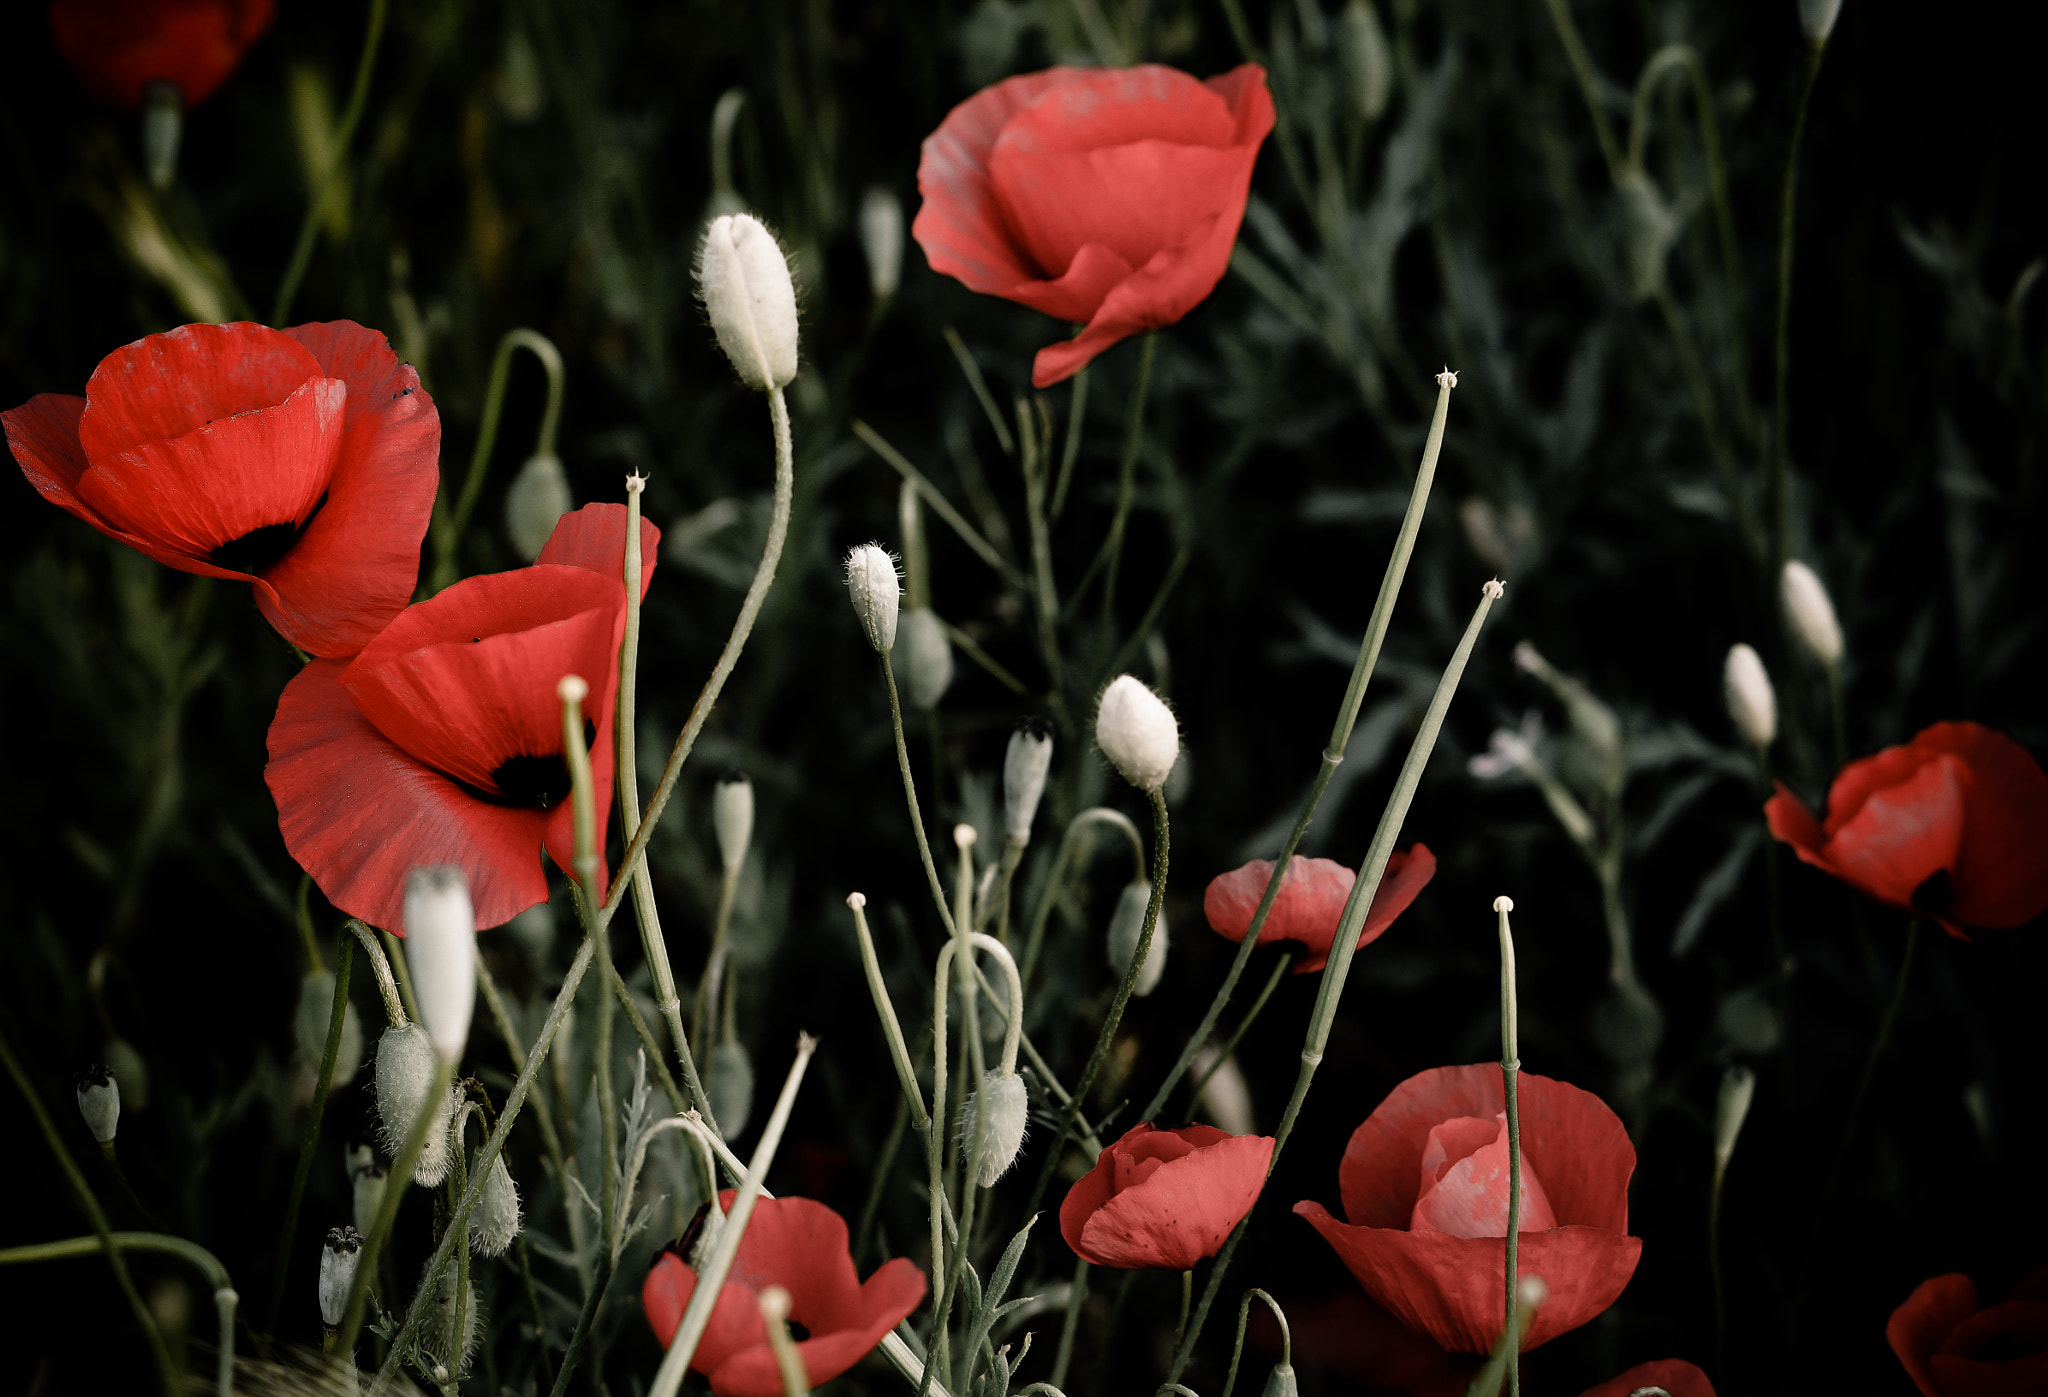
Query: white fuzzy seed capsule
(1811, 612)
(369, 1183)
(1817, 18)
(731, 1088)
(309, 1027)
(338, 1261)
(1752, 704)
(440, 950)
(535, 503)
(748, 296)
(732, 819)
(1003, 1100)
(881, 238)
(1126, 925)
(406, 1069)
(99, 1101)
(872, 583)
(1025, 765)
(1136, 731)
(496, 1220)
(924, 657)
(1738, 1086)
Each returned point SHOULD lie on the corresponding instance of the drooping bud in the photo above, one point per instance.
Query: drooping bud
(925, 658)
(743, 278)
(881, 238)
(440, 950)
(1126, 925)
(1738, 1086)
(1811, 612)
(876, 591)
(99, 1101)
(732, 819)
(1368, 62)
(535, 503)
(338, 1262)
(1282, 1382)
(1649, 229)
(1025, 765)
(1006, 1109)
(1752, 704)
(496, 1220)
(309, 1027)
(1817, 18)
(1136, 731)
(731, 1088)
(406, 1070)
(368, 1188)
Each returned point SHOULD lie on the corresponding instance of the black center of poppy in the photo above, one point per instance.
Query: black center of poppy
(1932, 896)
(537, 782)
(261, 548)
(798, 1330)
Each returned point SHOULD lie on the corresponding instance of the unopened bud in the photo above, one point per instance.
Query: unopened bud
(309, 1027)
(440, 950)
(1738, 1086)
(1226, 1097)
(99, 1101)
(496, 1220)
(732, 819)
(338, 1262)
(1817, 18)
(731, 1088)
(1282, 1382)
(1126, 925)
(368, 1194)
(1368, 62)
(998, 1111)
(924, 657)
(1649, 229)
(406, 1071)
(748, 296)
(1025, 765)
(1811, 612)
(881, 238)
(1136, 731)
(872, 583)
(1751, 704)
(536, 502)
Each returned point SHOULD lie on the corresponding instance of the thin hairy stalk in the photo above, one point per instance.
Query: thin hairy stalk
(1251, 1016)
(494, 1002)
(451, 522)
(996, 906)
(940, 505)
(540, 1319)
(979, 384)
(351, 117)
(1109, 558)
(1589, 88)
(1070, 1325)
(394, 961)
(1097, 814)
(971, 648)
(1044, 596)
(924, 846)
(651, 1045)
(885, 1161)
(885, 1011)
(1714, 1268)
(714, 963)
(1781, 343)
(380, 967)
(1510, 1071)
(1244, 1314)
(344, 960)
(579, 1340)
(1082, 1130)
(1077, 414)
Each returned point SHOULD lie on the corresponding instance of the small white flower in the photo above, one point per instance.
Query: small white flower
(750, 300)
(1508, 749)
(1811, 612)
(876, 591)
(1752, 705)
(1025, 766)
(1137, 732)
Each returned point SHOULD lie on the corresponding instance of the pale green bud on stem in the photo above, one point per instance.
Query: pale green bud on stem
(732, 819)
(925, 658)
(1126, 927)
(1811, 612)
(99, 1101)
(1752, 703)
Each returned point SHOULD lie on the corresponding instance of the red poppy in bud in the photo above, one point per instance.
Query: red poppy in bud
(1954, 824)
(1674, 1375)
(1311, 901)
(1425, 1188)
(1164, 1199)
(119, 47)
(800, 1245)
(1104, 196)
(1950, 1348)
(441, 743)
(301, 461)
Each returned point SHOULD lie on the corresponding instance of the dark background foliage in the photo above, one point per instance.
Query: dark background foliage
(546, 163)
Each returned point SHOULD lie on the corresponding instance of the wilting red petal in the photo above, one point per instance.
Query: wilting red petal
(594, 538)
(118, 47)
(1164, 1204)
(2001, 872)
(1310, 904)
(1674, 1375)
(1923, 1323)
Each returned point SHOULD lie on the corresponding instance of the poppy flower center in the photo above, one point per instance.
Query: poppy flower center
(262, 547)
(1464, 1184)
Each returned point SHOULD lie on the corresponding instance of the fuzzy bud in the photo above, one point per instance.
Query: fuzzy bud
(1368, 60)
(496, 1220)
(881, 238)
(872, 583)
(309, 1027)
(99, 1101)
(732, 819)
(405, 1076)
(925, 657)
(440, 950)
(1002, 1129)
(1738, 1086)
(535, 503)
(1025, 765)
(1136, 731)
(1126, 925)
(447, 1320)
(368, 1191)
(1751, 703)
(1817, 18)
(749, 299)
(1811, 612)
(338, 1261)
(731, 1088)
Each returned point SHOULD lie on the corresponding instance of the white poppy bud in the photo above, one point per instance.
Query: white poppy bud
(99, 1101)
(750, 300)
(872, 582)
(1738, 1086)
(405, 1075)
(440, 950)
(731, 1088)
(1226, 1097)
(881, 238)
(1817, 18)
(1126, 925)
(1751, 703)
(1811, 613)
(1025, 765)
(536, 502)
(338, 1262)
(1136, 731)
(496, 1220)
(732, 819)
(309, 1027)
(368, 1190)
(1282, 1382)
(700, 1242)
(1002, 1128)
(1368, 61)
(924, 658)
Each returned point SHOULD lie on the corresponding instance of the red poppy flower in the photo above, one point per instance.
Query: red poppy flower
(800, 1245)
(1950, 1348)
(1164, 1199)
(1953, 824)
(442, 742)
(119, 47)
(1424, 1183)
(300, 460)
(1311, 901)
(1674, 1375)
(1109, 196)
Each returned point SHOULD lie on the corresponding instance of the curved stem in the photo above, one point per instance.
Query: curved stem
(1097, 814)
(309, 227)
(344, 959)
(1071, 452)
(1780, 522)
(1510, 1070)
(449, 524)
(924, 846)
(380, 966)
(1244, 1314)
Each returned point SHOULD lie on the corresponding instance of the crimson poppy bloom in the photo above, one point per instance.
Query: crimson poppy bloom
(441, 743)
(1164, 1199)
(1425, 1188)
(1953, 824)
(800, 1245)
(302, 461)
(1104, 196)
(1674, 1375)
(1951, 1348)
(1311, 901)
(119, 47)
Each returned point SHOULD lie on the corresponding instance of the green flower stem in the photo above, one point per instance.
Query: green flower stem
(1788, 198)
(1045, 596)
(458, 1180)
(885, 1161)
(1840, 715)
(1340, 737)
(167, 1378)
(128, 1193)
(1331, 987)
(1070, 1325)
(885, 1010)
(980, 386)
(344, 960)
(451, 523)
(1244, 1314)
(924, 847)
(387, 1213)
(714, 963)
(1187, 1295)
(1098, 814)
(352, 115)
(997, 905)
(494, 1002)
(1510, 1069)
(380, 967)
(1280, 968)
(1109, 558)
(940, 505)
(1077, 415)
(394, 961)
(583, 806)
(1507, 1351)
(579, 1340)
(648, 1043)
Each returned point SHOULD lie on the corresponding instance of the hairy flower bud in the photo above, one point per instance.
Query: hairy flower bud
(748, 296)
(1368, 61)
(1817, 18)
(731, 1088)
(535, 503)
(405, 1076)
(496, 1220)
(99, 1101)
(1738, 1086)
(925, 658)
(1136, 731)
(1751, 703)
(1025, 765)
(1811, 612)
(338, 1261)
(1002, 1127)
(440, 950)
(732, 819)
(1126, 925)
(881, 238)
(876, 591)
(309, 1028)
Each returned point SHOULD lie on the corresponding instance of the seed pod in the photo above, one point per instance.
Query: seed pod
(872, 583)
(440, 950)
(1126, 925)
(743, 278)
(1136, 731)
(1368, 62)
(1002, 1131)
(406, 1069)
(1811, 612)
(731, 1088)
(732, 818)
(338, 1262)
(1025, 765)
(1752, 704)
(99, 1101)
(925, 658)
(535, 503)
(881, 238)
(496, 1220)
(309, 1027)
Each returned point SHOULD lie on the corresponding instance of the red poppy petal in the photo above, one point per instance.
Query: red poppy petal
(1863, 778)
(1307, 909)
(162, 387)
(800, 1245)
(1580, 1148)
(43, 435)
(1086, 1198)
(1133, 199)
(359, 814)
(1408, 873)
(2000, 878)
(1076, 295)
(896, 1288)
(2008, 1330)
(594, 538)
(1905, 833)
(1792, 823)
(959, 225)
(1349, 1336)
(1184, 1211)
(1674, 1375)
(665, 1294)
(118, 49)
(1172, 283)
(1928, 1316)
(2025, 1376)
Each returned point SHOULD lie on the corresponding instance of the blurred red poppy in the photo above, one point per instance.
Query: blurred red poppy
(1950, 1348)
(442, 742)
(302, 461)
(1311, 901)
(1953, 824)
(1674, 1375)
(1110, 196)
(119, 47)
(1164, 1199)
(800, 1245)
(1425, 1188)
